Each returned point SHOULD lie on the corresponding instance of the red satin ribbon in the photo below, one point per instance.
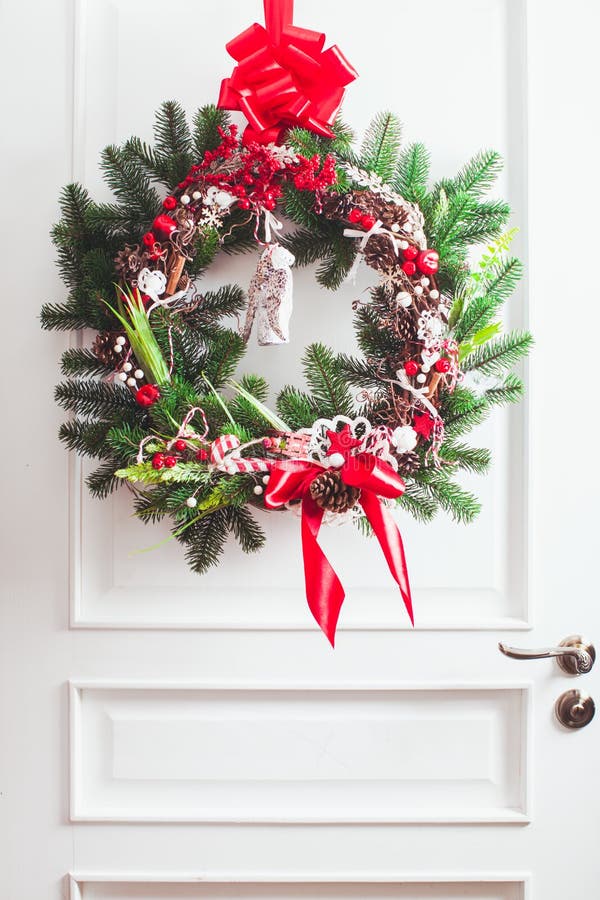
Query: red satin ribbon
(290, 480)
(284, 77)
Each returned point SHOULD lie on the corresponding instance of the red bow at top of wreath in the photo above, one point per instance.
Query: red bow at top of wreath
(284, 77)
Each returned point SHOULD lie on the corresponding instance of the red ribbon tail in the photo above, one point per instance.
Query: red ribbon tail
(387, 533)
(324, 590)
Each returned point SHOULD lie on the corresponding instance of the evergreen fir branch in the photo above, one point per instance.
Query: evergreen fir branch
(124, 440)
(374, 341)
(81, 361)
(297, 408)
(176, 400)
(228, 300)
(471, 459)
(85, 438)
(245, 528)
(412, 173)
(227, 350)
(462, 411)
(129, 183)
(462, 505)
(326, 381)
(381, 146)
(205, 540)
(97, 399)
(73, 202)
(66, 316)
(171, 132)
(299, 207)
(205, 135)
(115, 222)
(102, 482)
(359, 372)
(307, 245)
(335, 266)
(416, 501)
(245, 412)
(146, 473)
(477, 176)
(496, 356)
(481, 309)
(206, 247)
(153, 164)
(484, 221)
(510, 390)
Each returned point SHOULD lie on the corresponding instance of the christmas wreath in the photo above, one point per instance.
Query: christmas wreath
(153, 393)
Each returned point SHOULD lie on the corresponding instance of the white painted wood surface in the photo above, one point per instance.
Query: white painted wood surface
(149, 802)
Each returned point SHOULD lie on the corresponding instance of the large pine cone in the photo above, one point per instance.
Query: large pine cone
(330, 493)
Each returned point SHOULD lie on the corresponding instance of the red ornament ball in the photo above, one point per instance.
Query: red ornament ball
(170, 461)
(428, 262)
(244, 203)
(164, 226)
(147, 395)
(355, 215)
(148, 240)
(409, 267)
(158, 461)
(180, 446)
(410, 252)
(411, 368)
(169, 203)
(367, 221)
(442, 365)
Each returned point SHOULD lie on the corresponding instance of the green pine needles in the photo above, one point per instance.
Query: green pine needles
(190, 352)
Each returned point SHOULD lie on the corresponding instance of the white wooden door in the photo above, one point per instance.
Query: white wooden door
(166, 737)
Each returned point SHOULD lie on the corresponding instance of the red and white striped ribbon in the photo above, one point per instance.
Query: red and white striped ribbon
(226, 456)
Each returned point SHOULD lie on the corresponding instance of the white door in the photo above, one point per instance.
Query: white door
(166, 737)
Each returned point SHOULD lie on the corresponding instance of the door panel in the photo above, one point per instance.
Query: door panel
(480, 574)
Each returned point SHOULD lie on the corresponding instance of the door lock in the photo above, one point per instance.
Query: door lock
(574, 655)
(574, 709)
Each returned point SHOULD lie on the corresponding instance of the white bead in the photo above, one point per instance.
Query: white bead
(185, 199)
(395, 227)
(404, 299)
(118, 348)
(404, 438)
(265, 479)
(434, 294)
(122, 376)
(421, 378)
(191, 502)
(425, 368)
(131, 382)
(335, 460)
(407, 227)
(404, 245)
(121, 340)
(425, 282)
(138, 374)
(258, 489)
(418, 289)
(127, 367)
(196, 195)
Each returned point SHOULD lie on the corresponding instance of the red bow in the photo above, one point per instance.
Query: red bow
(291, 479)
(284, 77)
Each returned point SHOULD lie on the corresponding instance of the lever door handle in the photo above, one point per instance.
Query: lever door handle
(574, 655)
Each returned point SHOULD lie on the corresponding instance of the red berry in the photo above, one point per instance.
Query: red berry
(367, 221)
(169, 203)
(355, 215)
(170, 461)
(244, 203)
(409, 267)
(147, 395)
(202, 455)
(442, 365)
(148, 240)
(411, 367)
(410, 252)
(428, 262)
(269, 204)
(158, 461)
(180, 446)
(164, 226)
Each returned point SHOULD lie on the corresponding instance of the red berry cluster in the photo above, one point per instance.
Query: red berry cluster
(169, 459)
(163, 461)
(442, 366)
(358, 217)
(425, 261)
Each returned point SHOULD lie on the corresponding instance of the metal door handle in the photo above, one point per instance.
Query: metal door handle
(574, 655)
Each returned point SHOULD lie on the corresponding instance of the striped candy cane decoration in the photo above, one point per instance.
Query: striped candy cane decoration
(226, 456)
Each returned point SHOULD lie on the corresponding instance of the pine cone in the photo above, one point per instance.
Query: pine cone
(408, 463)
(406, 327)
(330, 493)
(103, 348)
